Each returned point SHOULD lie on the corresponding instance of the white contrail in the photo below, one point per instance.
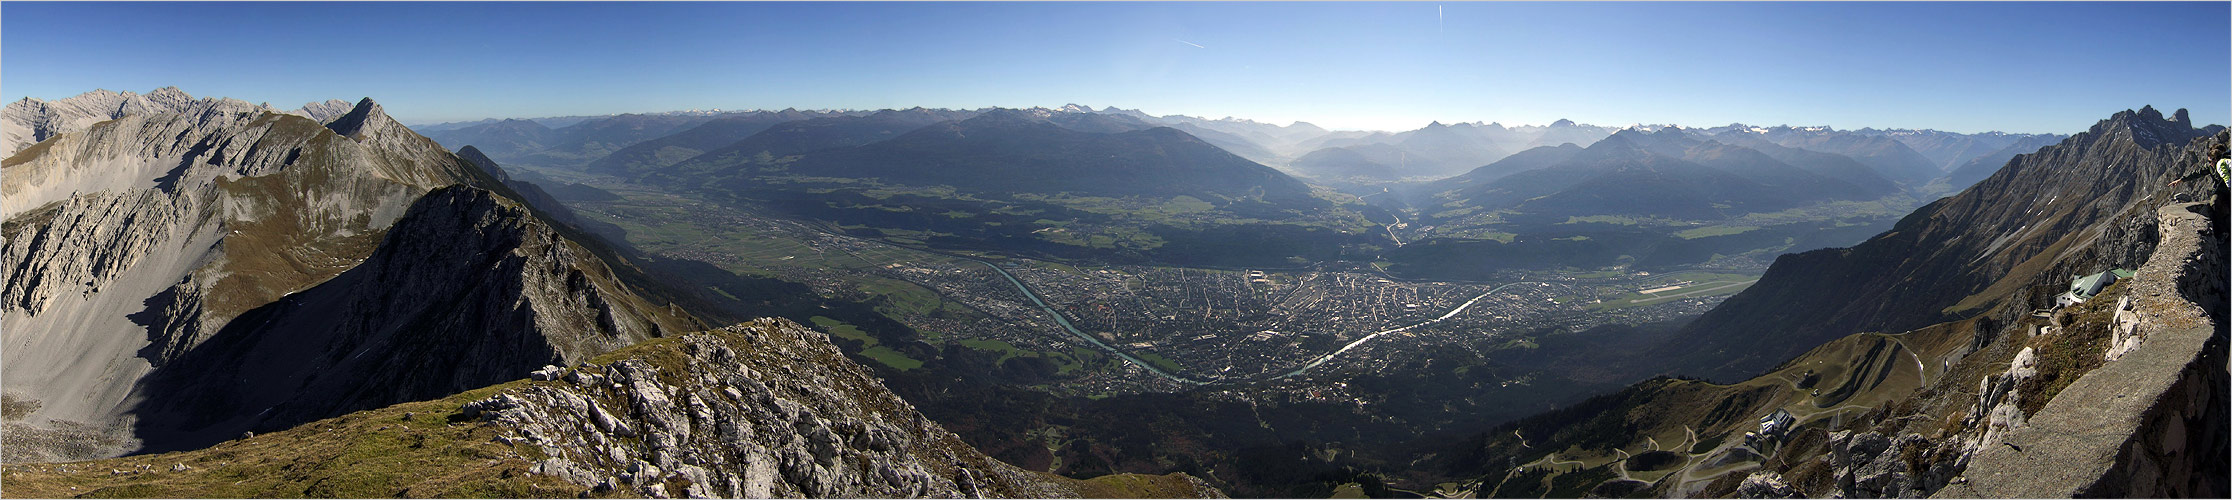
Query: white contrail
(1196, 45)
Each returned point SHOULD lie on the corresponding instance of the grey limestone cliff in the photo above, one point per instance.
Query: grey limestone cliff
(132, 242)
(762, 409)
(29, 121)
(2152, 421)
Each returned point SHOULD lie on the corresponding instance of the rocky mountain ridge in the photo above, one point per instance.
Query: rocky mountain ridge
(761, 409)
(462, 291)
(1961, 254)
(675, 148)
(792, 138)
(28, 121)
(764, 409)
(136, 242)
(1663, 173)
(2120, 395)
(178, 279)
(1025, 151)
(2116, 397)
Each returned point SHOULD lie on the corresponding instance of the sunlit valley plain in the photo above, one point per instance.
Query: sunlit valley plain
(1326, 250)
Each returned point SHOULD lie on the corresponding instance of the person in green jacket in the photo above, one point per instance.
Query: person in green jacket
(2223, 173)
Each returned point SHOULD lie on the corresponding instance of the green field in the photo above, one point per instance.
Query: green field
(1161, 362)
(870, 348)
(1005, 349)
(1709, 231)
(1065, 362)
(892, 358)
(1703, 284)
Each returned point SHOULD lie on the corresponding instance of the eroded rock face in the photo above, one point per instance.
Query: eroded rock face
(1766, 485)
(762, 409)
(29, 121)
(1872, 465)
(2042, 217)
(2151, 422)
(466, 290)
(1997, 409)
(135, 242)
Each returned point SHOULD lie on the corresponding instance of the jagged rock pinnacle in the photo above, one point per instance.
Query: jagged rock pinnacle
(353, 125)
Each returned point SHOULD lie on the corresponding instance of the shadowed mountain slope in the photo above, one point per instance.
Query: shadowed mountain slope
(1953, 257)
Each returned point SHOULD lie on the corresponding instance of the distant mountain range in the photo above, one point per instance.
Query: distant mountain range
(1359, 161)
(1665, 173)
(1435, 151)
(1005, 175)
(802, 136)
(1994, 242)
(1932, 360)
(688, 143)
(1017, 151)
(528, 142)
(209, 275)
(28, 121)
(1478, 173)
(557, 121)
(201, 228)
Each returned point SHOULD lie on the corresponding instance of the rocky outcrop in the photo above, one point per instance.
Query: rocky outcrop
(2121, 395)
(322, 112)
(763, 409)
(30, 121)
(1872, 465)
(2153, 422)
(465, 290)
(2040, 218)
(2150, 421)
(134, 243)
(1766, 485)
(1998, 406)
(534, 196)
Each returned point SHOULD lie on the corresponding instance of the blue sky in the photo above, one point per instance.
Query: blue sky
(2023, 67)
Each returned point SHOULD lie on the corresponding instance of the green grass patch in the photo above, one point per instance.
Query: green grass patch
(1702, 284)
(1707, 443)
(1161, 362)
(1597, 274)
(1184, 205)
(369, 454)
(845, 330)
(1499, 236)
(1608, 219)
(1709, 231)
(870, 347)
(891, 358)
(904, 297)
(1005, 349)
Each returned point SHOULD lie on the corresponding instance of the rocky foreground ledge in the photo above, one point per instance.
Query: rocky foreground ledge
(2153, 422)
(762, 409)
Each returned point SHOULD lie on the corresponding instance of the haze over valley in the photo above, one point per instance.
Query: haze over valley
(947, 291)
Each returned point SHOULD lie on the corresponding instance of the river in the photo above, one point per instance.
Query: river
(1064, 321)
(1368, 338)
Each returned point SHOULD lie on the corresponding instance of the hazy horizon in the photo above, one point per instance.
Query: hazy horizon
(2021, 67)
